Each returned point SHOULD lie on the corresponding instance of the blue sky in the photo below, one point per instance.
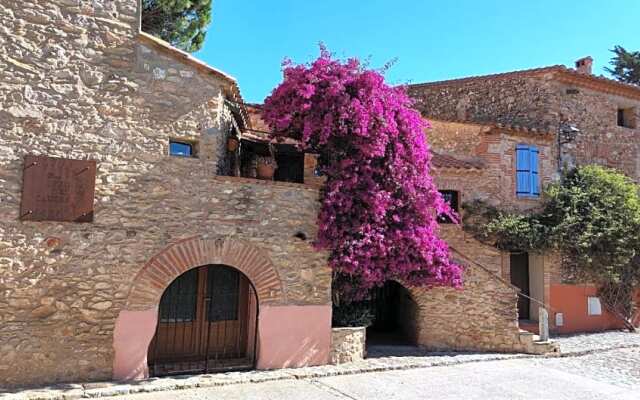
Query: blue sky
(431, 40)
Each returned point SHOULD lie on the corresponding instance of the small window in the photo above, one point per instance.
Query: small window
(290, 167)
(181, 149)
(593, 306)
(451, 197)
(627, 117)
(527, 167)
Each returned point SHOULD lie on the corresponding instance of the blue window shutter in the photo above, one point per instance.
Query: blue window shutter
(535, 177)
(523, 170)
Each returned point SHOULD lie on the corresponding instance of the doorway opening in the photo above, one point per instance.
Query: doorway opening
(519, 270)
(394, 312)
(207, 322)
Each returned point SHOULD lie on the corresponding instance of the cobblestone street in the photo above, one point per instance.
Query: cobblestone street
(592, 366)
(612, 374)
(617, 367)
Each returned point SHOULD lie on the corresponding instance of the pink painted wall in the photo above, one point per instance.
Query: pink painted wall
(288, 337)
(131, 337)
(294, 336)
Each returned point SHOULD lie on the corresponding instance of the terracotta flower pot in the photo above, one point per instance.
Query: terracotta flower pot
(232, 144)
(265, 171)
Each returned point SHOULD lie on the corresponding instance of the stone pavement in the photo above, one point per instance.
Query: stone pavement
(526, 379)
(589, 342)
(611, 357)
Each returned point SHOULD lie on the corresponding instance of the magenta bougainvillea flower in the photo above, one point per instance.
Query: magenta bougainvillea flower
(379, 205)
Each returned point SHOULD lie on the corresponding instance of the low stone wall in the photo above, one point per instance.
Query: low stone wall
(480, 317)
(348, 344)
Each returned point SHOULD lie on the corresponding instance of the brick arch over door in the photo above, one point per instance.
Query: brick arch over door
(136, 323)
(164, 267)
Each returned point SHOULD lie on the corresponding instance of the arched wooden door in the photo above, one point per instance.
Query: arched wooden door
(207, 322)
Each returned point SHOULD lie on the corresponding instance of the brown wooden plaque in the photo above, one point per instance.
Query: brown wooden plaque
(57, 189)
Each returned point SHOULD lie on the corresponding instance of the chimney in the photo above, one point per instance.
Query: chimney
(583, 65)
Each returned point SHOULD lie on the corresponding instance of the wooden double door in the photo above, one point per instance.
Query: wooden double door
(207, 322)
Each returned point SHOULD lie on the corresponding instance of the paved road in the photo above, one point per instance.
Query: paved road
(608, 375)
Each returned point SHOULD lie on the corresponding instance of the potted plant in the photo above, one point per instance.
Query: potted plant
(232, 144)
(266, 167)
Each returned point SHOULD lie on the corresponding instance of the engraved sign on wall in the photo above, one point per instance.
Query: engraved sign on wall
(57, 189)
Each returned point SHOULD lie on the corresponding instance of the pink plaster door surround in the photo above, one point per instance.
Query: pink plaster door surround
(288, 335)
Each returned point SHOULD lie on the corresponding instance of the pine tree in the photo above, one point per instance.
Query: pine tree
(626, 65)
(182, 23)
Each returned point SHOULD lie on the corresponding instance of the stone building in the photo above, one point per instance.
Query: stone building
(570, 117)
(79, 300)
(483, 315)
(135, 239)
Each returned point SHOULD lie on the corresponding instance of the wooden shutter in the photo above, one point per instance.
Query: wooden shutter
(535, 177)
(523, 170)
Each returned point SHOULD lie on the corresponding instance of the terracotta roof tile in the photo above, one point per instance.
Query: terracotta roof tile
(560, 72)
(523, 72)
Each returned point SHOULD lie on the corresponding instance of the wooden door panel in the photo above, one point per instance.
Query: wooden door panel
(205, 343)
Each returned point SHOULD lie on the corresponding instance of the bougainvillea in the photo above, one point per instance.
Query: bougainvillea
(379, 205)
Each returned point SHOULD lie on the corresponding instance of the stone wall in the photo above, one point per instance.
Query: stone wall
(80, 82)
(348, 344)
(511, 100)
(601, 140)
(482, 316)
(542, 102)
(486, 288)
(532, 101)
(495, 182)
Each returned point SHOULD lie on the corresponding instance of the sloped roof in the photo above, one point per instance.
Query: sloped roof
(559, 72)
(492, 126)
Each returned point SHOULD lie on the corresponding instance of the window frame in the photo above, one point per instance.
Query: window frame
(192, 146)
(527, 171)
(594, 306)
(626, 118)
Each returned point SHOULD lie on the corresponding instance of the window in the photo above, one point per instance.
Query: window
(290, 167)
(181, 149)
(223, 291)
(451, 197)
(627, 117)
(527, 177)
(593, 306)
(178, 302)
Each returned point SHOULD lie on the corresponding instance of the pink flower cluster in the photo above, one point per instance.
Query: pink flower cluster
(379, 206)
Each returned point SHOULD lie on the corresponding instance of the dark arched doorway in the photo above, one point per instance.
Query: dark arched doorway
(395, 315)
(207, 322)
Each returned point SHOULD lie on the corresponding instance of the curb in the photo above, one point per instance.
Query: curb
(108, 389)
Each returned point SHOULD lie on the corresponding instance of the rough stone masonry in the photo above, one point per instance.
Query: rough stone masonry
(78, 81)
